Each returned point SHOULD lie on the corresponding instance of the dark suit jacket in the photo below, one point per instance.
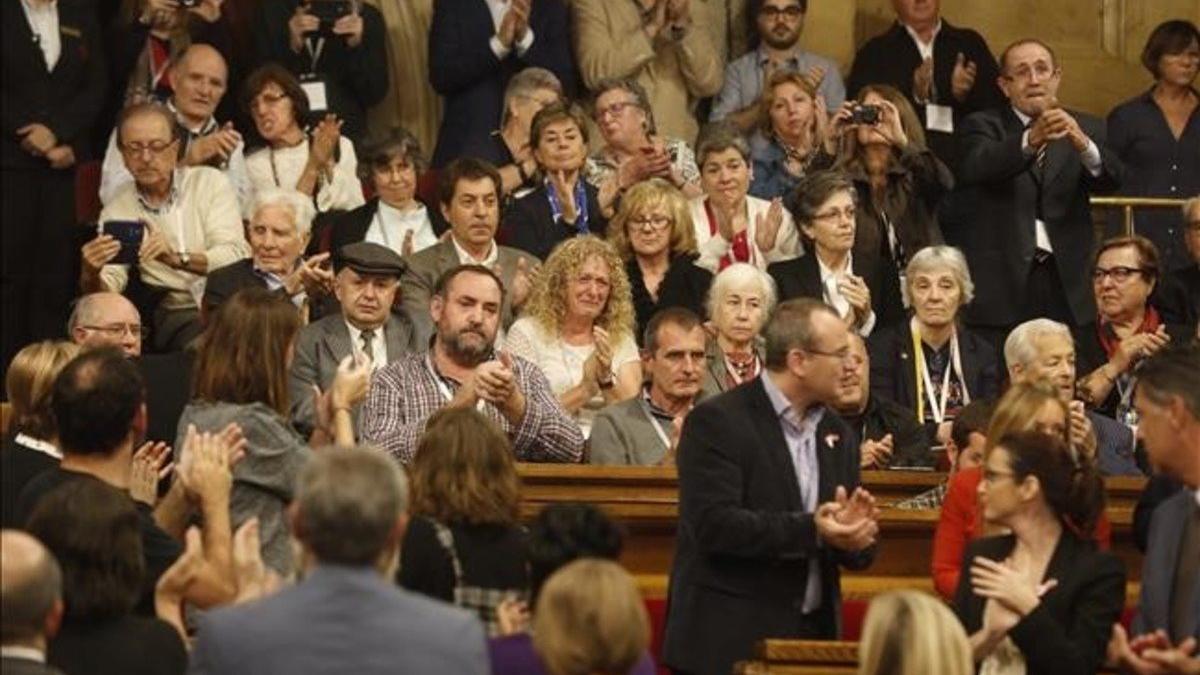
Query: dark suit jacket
(465, 71)
(1090, 355)
(891, 58)
(15, 666)
(745, 540)
(999, 190)
(1179, 295)
(529, 224)
(223, 282)
(1158, 570)
(321, 346)
(801, 278)
(1067, 633)
(894, 375)
(66, 100)
(1159, 489)
(910, 445)
(168, 380)
(350, 227)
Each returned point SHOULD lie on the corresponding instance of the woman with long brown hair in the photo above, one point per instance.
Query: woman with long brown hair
(241, 376)
(464, 544)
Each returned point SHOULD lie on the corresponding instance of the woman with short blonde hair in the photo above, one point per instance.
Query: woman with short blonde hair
(912, 633)
(590, 619)
(578, 328)
(653, 233)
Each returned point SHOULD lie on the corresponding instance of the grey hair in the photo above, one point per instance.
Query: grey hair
(349, 500)
(719, 137)
(740, 274)
(300, 206)
(1020, 348)
(940, 258)
(524, 83)
(630, 86)
(85, 310)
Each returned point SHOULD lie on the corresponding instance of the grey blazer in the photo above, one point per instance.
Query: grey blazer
(323, 344)
(340, 620)
(621, 434)
(425, 266)
(1158, 570)
(714, 377)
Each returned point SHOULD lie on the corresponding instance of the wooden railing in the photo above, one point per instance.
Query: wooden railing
(645, 500)
(800, 657)
(1128, 204)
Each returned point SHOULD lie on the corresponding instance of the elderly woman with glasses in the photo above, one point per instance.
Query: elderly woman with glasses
(739, 303)
(633, 151)
(395, 217)
(1128, 329)
(578, 328)
(320, 164)
(930, 364)
(652, 232)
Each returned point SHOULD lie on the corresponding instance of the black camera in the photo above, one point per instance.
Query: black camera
(865, 114)
(188, 4)
(328, 12)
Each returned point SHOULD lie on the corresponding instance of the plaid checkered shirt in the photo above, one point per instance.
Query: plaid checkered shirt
(405, 393)
(929, 499)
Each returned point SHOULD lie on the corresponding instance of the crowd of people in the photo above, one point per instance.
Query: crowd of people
(351, 261)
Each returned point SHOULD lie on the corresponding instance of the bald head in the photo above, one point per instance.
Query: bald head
(30, 590)
(106, 319)
(199, 78)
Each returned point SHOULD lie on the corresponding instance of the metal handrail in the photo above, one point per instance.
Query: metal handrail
(1128, 204)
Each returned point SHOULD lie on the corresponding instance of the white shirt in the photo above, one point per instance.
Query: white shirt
(39, 445)
(378, 345)
(498, 8)
(833, 294)
(43, 21)
(924, 48)
(22, 653)
(465, 258)
(390, 226)
(281, 167)
(1091, 161)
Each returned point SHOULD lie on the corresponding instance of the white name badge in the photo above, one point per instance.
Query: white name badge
(315, 91)
(939, 118)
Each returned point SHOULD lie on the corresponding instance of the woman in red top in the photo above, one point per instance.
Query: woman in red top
(1024, 407)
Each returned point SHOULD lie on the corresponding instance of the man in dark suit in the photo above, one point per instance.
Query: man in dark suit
(946, 72)
(764, 517)
(889, 432)
(346, 615)
(1168, 620)
(53, 74)
(31, 606)
(367, 279)
(475, 46)
(469, 195)
(1025, 176)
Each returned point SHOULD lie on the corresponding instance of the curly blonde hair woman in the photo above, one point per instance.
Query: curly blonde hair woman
(578, 328)
(654, 235)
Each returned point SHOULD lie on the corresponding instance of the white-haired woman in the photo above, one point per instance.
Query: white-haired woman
(279, 229)
(931, 364)
(739, 303)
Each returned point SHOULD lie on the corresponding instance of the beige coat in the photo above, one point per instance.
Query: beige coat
(411, 101)
(610, 42)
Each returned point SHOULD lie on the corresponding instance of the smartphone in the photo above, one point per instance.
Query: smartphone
(129, 233)
(865, 114)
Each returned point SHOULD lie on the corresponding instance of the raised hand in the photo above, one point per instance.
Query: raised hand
(350, 383)
(325, 141)
(603, 352)
(1081, 434)
(205, 468)
(302, 23)
(99, 252)
(209, 10)
(656, 21)
(855, 290)
(310, 276)
(173, 584)
(876, 454)
(890, 125)
(962, 78)
(253, 578)
(923, 80)
(1008, 584)
(857, 534)
(151, 463)
(514, 23)
(350, 27)
(512, 616)
(766, 228)
(566, 195)
(220, 143)
(523, 281)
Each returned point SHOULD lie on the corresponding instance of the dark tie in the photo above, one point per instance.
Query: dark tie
(368, 350)
(1187, 570)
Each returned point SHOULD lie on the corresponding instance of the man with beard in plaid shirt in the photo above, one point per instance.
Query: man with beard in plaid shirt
(462, 369)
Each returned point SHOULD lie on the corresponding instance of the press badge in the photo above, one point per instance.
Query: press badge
(939, 118)
(314, 89)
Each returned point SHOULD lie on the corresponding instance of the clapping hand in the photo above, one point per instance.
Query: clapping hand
(151, 463)
(962, 78)
(876, 454)
(524, 280)
(766, 228)
(1060, 124)
(848, 523)
(310, 276)
(1152, 653)
(1139, 346)
(855, 290)
(204, 470)
(1081, 434)
(220, 143)
(253, 578)
(565, 190)
(325, 141)
(350, 383)
(923, 80)
(512, 616)
(514, 23)
(173, 584)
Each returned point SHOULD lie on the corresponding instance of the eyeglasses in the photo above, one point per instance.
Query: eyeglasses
(154, 147)
(772, 13)
(120, 330)
(991, 476)
(844, 355)
(614, 110)
(1042, 71)
(1119, 274)
(650, 222)
(848, 213)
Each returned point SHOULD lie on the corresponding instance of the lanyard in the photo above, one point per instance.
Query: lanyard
(662, 435)
(925, 383)
(314, 53)
(443, 389)
(581, 205)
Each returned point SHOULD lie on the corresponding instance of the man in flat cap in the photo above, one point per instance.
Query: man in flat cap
(367, 278)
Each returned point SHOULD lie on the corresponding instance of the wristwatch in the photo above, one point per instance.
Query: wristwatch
(606, 383)
(184, 258)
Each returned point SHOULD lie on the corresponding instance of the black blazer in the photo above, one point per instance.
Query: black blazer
(1067, 634)
(1089, 355)
(894, 377)
(998, 199)
(684, 285)
(16, 666)
(801, 278)
(168, 379)
(891, 58)
(223, 282)
(530, 226)
(349, 227)
(471, 80)
(910, 445)
(745, 542)
(66, 100)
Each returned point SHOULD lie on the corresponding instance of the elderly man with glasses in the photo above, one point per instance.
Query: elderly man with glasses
(189, 224)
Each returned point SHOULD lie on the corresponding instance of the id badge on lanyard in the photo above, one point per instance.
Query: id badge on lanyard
(312, 83)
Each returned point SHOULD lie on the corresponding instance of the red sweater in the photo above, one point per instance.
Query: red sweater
(960, 522)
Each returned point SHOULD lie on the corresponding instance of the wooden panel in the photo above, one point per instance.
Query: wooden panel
(801, 656)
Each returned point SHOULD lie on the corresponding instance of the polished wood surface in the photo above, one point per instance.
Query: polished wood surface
(645, 500)
(800, 657)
